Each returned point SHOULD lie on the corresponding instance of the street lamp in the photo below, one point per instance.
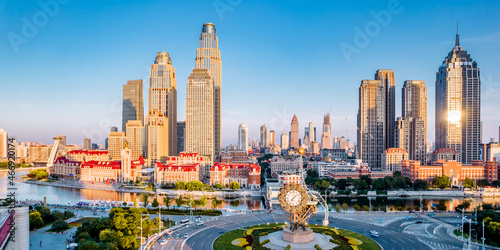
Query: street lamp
(461, 209)
(483, 235)
(470, 235)
(141, 230)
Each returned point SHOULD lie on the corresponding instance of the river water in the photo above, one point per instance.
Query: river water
(59, 195)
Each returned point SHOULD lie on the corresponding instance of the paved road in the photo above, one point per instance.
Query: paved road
(396, 232)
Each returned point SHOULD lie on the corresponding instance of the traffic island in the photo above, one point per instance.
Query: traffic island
(269, 236)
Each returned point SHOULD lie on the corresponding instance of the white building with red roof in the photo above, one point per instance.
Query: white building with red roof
(247, 175)
(172, 172)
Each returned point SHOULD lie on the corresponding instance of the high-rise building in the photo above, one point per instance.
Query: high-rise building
(326, 136)
(87, 144)
(411, 129)
(111, 129)
(63, 140)
(181, 136)
(208, 57)
(312, 132)
(135, 134)
(243, 137)
(307, 139)
(336, 142)
(115, 145)
(458, 105)
(371, 122)
(163, 96)
(255, 143)
(389, 83)
(343, 143)
(4, 145)
(271, 137)
(284, 141)
(294, 133)
(133, 104)
(410, 136)
(264, 136)
(200, 117)
(157, 131)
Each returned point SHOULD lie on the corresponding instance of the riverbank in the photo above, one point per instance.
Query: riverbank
(430, 193)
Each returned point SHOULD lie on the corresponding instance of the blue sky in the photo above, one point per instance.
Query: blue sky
(279, 58)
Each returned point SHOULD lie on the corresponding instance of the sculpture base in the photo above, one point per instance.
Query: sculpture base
(298, 236)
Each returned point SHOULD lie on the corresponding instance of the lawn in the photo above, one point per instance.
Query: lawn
(367, 242)
(251, 236)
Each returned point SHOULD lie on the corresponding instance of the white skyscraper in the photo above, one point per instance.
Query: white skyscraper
(243, 137)
(3, 144)
(312, 132)
(284, 141)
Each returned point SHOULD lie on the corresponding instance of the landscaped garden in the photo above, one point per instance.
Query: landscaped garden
(249, 238)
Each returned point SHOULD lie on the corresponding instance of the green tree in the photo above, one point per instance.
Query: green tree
(218, 186)
(360, 184)
(365, 208)
(483, 183)
(234, 203)
(468, 183)
(342, 184)
(313, 173)
(179, 201)
(167, 200)
(145, 200)
(155, 203)
(234, 185)
(203, 201)
(345, 207)
(379, 184)
(464, 205)
(215, 202)
(367, 179)
(337, 208)
(442, 181)
(88, 245)
(60, 225)
(396, 174)
(421, 184)
(356, 207)
(58, 215)
(441, 206)
(135, 202)
(190, 202)
(35, 220)
(180, 185)
(399, 182)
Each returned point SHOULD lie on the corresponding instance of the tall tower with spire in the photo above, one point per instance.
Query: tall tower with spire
(208, 57)
(294, 133)
(458, 104)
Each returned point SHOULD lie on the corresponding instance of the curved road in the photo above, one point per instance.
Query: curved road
(398, 233)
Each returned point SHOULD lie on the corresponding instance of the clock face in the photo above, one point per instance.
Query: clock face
(293, 198)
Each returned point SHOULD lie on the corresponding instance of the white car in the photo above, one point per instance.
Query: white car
(199, 223)
(186, 235)
(374, 233)
(163, 242)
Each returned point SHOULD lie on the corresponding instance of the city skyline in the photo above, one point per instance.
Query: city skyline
(101, 110)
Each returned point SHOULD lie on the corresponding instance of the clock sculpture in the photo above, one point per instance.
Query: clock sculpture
(293, 198)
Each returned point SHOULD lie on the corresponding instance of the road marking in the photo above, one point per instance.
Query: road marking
(393, 241)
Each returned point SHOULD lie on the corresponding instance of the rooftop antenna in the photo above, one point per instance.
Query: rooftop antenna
(457, 42)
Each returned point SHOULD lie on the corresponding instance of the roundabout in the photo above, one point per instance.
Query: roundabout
(269, 236)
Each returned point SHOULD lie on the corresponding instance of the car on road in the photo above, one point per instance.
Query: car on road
(177, 236)
(374, 233)
(163, 242)
(186, 235)
(199, 223)
(168, 237)
(279, 213)
(419, 222)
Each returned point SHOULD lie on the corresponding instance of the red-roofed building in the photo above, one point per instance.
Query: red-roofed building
(452, 169)
(191, 158)
(171, 173)
(88, 155)
(247, 175)
(364, 169)
(65, 168)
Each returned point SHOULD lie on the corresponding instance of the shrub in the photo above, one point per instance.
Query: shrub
(318, 247)
(60, 225)
(356, 207)
(263, 233)
(288, 247)
(381, 192)
(399, 208)
(362, 192)
(264, 242)
(335, 241)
